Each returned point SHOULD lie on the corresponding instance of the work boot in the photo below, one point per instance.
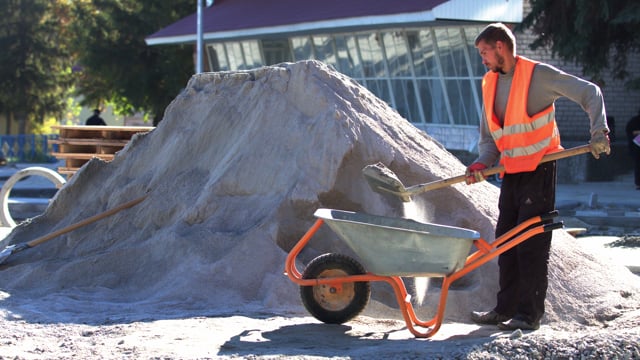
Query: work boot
(518, 322)
(488, 317)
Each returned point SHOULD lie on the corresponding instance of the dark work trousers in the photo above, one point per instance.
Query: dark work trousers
(636, 167)
(523, 269)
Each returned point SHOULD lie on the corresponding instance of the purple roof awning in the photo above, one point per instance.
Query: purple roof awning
(228, 19)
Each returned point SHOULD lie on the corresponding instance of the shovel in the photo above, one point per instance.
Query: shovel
(15, 248)
(385, 181)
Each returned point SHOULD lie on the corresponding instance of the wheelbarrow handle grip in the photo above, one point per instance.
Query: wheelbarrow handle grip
(420, 188)
(550, 215)
(553, 226)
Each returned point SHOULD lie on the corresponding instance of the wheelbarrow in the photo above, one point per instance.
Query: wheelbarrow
(335, 288)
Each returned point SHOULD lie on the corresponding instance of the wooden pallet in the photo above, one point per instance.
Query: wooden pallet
(78, 144)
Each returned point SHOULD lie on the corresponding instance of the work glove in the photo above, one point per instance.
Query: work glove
(474, 173)
(600, 144)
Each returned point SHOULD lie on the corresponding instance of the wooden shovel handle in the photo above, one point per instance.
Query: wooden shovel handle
(420, 188)
(84, 222)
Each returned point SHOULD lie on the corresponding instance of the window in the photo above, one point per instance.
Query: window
(429, 75)
(276, 51)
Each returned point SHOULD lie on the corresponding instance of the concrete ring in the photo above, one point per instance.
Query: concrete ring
(5, 216)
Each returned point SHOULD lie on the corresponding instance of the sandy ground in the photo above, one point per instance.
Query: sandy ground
(267, 335)
(230, 336)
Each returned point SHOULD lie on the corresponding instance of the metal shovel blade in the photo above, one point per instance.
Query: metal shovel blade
(383, 180)
(4, 254)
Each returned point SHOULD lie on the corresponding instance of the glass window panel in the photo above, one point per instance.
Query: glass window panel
(452, 49)
(380, 89)
(347, 56)
(432, 96)
(324, 50)
(460, 98)
(476, 61)
(405, 97)
(217, 58)
(234, 54)
(475, 112)
(301, 48)
(252, 55)
(423, 52)
(477, 83)
(396, 49)
(371, 52)
(276, 51)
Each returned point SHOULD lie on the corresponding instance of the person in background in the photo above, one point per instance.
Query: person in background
(518, 128)
(633, 133)
(95, 119)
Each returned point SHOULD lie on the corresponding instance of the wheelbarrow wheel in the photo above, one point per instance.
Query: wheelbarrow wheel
(334, 303)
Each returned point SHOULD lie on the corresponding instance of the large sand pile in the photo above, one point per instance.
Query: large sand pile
(233, 175)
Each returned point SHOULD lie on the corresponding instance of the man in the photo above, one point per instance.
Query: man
(518, 127)
(633, 133)
(95, 119)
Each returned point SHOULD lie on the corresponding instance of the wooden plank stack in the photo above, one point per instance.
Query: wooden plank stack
(79, 143)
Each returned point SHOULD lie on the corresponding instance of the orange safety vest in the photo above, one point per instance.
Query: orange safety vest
(522, 140)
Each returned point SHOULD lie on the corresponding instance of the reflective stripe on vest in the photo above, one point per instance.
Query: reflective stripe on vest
(522, 140)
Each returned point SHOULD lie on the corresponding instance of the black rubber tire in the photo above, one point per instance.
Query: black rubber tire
(325, 302)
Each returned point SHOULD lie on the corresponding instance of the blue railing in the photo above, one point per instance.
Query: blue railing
(28, 148)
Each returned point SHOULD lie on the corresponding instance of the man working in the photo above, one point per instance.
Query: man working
(633, 137)
(518, 126)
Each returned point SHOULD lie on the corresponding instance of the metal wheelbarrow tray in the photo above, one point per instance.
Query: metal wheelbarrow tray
(401, 247)
(335, 288)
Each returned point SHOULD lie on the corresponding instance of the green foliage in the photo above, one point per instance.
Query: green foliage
(117, 66)
(92, 48)
(45, 128)
(35, 71)
(596, 34)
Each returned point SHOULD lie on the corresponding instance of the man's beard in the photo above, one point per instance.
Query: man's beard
(498, 68)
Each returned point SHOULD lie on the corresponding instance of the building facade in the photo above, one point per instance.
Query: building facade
(418, 56)
(431, 76)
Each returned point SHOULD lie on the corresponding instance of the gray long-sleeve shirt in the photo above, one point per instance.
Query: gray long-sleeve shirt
(547, 85)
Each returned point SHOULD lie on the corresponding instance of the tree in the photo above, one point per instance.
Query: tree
(35, 71)
(596, 34)
(118, 67)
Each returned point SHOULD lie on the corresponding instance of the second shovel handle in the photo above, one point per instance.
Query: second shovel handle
(84, 222)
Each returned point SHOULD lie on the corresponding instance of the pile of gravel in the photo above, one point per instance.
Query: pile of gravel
(603, 345)
(627, 241)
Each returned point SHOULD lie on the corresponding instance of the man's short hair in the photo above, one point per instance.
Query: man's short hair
(497, 32)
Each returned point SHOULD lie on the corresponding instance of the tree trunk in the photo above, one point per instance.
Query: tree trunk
(21, 117)
(9, 117)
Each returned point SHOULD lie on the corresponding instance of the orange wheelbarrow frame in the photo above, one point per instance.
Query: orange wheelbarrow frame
(419, 328)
